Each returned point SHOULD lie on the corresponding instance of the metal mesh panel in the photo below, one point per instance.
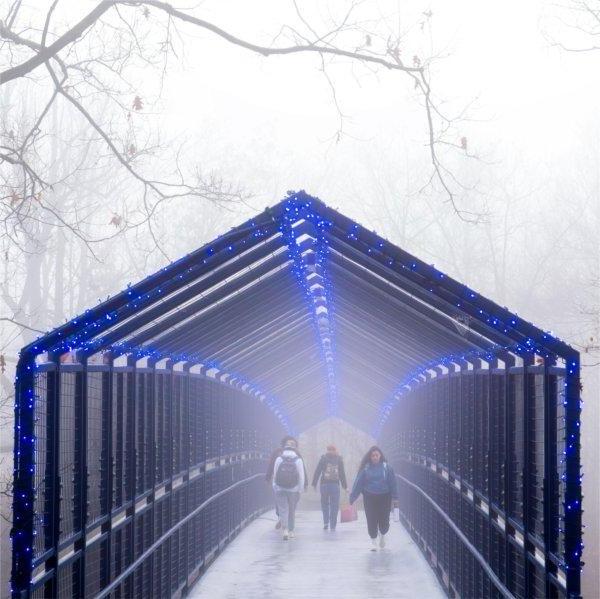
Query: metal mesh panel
(97, 444)
(497, 440)
(160, 429)
(143, 540)
(473, 417)
(152, 426)
(561, 436)
(67, 459)
(516, 564)
(535, 438)
(177, 437)
(121, 432)
(96, 557)
(41, 592)
(42, 476)
(120, 549)
(144, 411)
(516, 447)
(467, 427)
(481, 449)
(68, 580)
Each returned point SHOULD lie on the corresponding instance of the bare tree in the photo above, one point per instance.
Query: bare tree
(580, 26)
(90, 66)
(580, 33)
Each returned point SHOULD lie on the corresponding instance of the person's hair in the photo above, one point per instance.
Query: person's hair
(287, 439)
(331, 449)
(367, 457)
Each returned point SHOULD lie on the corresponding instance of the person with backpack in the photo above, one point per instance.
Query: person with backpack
(288, 483)
(292, 442)
(377, 483)
(330, 470)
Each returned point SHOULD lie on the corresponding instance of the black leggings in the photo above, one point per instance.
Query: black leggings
(377, 510)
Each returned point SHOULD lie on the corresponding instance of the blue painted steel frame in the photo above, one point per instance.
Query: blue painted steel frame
(351, 251)
(163, 492)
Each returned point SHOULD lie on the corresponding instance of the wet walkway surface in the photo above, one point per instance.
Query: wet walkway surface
(258, 563)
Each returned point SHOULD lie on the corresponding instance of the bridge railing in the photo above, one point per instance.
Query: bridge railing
(481, 457)
(141, 474)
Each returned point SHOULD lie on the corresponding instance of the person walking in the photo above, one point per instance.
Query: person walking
(293, 443)
(330, 470)
(377, 483)
(288, 483)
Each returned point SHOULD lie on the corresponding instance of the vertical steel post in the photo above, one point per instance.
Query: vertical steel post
(185, 463)
(509, 362)
(573, 496)
(130, 392)
(169, 469)
(23, 491)
(528, 403)
(108, 398)
(550, 469)
(462, 367)
(54, 488)
(81, 464)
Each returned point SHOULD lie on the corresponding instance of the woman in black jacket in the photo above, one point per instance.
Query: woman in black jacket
(331, 472)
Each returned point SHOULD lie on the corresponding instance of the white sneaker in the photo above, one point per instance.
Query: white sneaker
(373, 544)
(381, 540)
(286, 535)
(292, 534)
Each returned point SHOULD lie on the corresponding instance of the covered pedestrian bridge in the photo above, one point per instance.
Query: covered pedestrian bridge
(143, 425)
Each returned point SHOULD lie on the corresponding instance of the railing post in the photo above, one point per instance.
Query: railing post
(488, 456)
(23, 491)
(573, 496)
(527, 459)
(185, 463)
(509, 362)
(54, 488)
(107, 404)
(462, 367)
(130, 392)
(550, 469)
(81, 466)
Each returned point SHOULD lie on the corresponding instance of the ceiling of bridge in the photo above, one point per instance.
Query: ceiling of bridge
(320, 314)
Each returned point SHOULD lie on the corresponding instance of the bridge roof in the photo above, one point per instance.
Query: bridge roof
(307, 307)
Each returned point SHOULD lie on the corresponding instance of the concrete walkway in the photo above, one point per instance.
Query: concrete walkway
(258, 563)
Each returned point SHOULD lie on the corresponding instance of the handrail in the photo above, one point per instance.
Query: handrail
(131, 568)
(488, 570)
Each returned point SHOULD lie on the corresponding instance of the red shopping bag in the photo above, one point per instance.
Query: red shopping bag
(348, 513)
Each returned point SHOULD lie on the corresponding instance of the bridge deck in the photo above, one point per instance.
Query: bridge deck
(317, 564)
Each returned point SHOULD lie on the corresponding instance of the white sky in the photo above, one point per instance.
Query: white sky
(534, 101)
(533, 98)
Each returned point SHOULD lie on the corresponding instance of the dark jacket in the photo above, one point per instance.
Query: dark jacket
(271, 467)
(377, 479)
(330, 458)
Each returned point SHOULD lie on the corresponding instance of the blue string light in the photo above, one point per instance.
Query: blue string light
(90, 327)
(314, 283)
(195, 359)
(572, 476)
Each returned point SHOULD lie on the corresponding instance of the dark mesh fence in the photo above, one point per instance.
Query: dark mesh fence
(141, 476)
(485, 447)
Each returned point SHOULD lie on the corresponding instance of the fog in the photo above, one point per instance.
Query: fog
(522, 227)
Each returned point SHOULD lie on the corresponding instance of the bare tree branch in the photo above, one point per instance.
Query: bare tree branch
(20, 324)
(581, 17)
(45, 54)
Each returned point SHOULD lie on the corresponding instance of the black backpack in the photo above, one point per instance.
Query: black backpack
(286, 476)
